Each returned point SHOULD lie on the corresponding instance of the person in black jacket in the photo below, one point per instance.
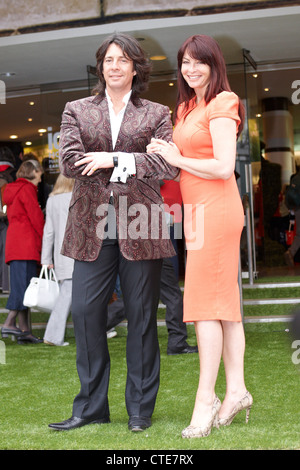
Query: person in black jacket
(292, 201)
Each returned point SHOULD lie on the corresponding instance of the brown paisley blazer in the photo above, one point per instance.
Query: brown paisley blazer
(85, 128)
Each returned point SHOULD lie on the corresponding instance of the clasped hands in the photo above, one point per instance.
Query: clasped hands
(95, 161)
(100, 160)
(168, 150)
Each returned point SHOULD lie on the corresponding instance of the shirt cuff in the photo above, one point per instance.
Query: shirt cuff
(126, 167)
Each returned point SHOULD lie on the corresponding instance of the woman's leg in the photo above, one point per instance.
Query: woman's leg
(23, 316)
(210, 342)
(233, 358)
(21, 272)
(11, 318)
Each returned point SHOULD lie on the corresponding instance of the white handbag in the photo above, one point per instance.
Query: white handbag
(42, 291)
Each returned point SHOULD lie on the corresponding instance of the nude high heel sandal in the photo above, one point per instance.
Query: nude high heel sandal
(244, 404)
(197, 431)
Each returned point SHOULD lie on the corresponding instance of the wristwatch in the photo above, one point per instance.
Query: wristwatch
(115, 160)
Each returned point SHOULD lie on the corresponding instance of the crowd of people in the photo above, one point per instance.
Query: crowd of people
(116, 146)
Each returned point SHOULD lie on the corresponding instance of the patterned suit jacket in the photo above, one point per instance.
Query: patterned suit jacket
(85, 128)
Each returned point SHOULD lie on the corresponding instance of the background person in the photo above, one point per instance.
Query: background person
(23, 245)
(292, 200)
(57, 209)
(7, 175)
(44, 189)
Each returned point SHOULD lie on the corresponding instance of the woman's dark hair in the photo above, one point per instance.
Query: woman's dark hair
(30, 156)
(133, 51)
(208, 51)
(6, 155)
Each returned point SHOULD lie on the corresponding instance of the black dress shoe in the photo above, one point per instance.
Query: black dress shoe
(138, 423)
(27, 337)
(184, 350)
(74, 422)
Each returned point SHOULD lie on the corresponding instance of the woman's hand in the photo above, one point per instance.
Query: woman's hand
(95, 161)
(168, 150)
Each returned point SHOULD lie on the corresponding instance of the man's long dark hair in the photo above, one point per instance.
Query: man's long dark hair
(206, 49)
(132, 50)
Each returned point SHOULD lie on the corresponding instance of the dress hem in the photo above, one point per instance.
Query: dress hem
(219, 318)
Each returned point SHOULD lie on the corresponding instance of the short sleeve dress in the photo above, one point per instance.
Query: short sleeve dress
(213, 218)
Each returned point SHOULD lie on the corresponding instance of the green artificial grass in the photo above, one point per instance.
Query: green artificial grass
(277, 310)
(271, 293)
(278, 293)
(38, 384)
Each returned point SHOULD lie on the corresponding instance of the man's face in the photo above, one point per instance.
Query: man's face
(118, 71)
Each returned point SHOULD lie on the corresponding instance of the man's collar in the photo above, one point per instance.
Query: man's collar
(125, 97)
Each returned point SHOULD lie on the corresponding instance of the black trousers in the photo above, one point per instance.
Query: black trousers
(93, 285)
(171, 296)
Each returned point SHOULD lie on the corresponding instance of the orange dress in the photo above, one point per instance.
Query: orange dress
(213, 219)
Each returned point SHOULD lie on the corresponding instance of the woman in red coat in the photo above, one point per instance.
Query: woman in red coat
(23, 245)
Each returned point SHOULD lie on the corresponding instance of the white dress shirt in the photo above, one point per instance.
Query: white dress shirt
(126, 161)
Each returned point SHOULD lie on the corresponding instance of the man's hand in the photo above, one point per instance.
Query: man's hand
(95, 161)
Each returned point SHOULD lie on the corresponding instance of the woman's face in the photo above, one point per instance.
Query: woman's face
(38, 177)
(195, 73)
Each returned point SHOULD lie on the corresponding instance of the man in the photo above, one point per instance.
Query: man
(115, 225)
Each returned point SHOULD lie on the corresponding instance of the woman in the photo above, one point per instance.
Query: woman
(209, 118)
(7, 175)
(57, 209)
(23, 245)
